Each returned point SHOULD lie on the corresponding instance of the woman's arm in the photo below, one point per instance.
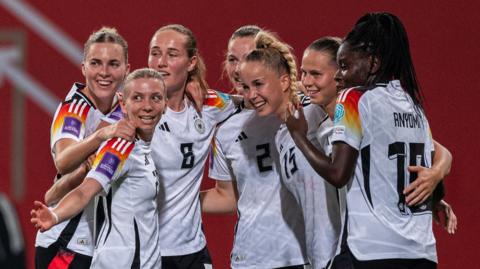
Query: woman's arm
(75, 201)
(68, 182)
(69, 154)
(428, 178)
(449, 217)
(338, 169)
(222, 199)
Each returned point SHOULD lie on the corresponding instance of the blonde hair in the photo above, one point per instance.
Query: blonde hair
(143, 73)
(199, 72)
(277, 56)
(106, 35)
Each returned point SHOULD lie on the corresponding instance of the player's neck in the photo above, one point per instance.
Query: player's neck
(103, 105)
(145, 135)
(176, 100)
(330, 109)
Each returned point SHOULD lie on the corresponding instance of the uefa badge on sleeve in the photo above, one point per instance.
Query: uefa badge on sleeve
(199, 125)
(339, 113)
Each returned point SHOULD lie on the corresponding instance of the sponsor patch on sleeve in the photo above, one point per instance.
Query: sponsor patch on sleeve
(108, 165)
(72, 126)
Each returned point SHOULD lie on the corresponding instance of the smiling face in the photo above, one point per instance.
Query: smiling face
(238, 48)
(104, 69)
(318, 71)
(144, 102)
(354, 68)
(169, 56)
(267, 91)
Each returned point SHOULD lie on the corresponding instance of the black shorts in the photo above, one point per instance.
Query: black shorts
(346, 260)
(59, 258)
(197, 260)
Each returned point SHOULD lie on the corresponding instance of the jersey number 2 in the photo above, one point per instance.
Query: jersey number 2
(263, 157)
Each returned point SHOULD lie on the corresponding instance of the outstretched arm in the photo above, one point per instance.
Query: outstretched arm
(43, 218)
(68, 182)
(428, 178)
(222, 199)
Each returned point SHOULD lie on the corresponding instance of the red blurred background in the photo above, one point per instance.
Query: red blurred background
(443, 38)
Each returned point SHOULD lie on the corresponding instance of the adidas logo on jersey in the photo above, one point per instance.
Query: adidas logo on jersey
(83, 241)
(164, 127)
(241, 137)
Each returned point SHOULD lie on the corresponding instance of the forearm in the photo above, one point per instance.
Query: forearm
(65, 184)
(218, 201)
(76, 200)
(442, 160)
(71, 156)
(334, 171)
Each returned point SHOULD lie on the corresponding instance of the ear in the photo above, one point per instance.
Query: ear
(374, 64)
(121, 101)
(192, 63)
(83, 69)
(127, 70)
(285, 82)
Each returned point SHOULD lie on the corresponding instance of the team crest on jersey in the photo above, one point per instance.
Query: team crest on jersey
(339, 113)
(108, 165)
(72, 126)
(199, 125)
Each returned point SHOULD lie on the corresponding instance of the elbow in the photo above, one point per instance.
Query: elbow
(339, 179)
(450, 160)
(61, 166)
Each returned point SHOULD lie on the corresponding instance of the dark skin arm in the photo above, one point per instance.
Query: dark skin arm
(338, 169)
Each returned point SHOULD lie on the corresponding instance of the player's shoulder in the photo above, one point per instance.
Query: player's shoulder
(121, 147)
(352, 94)
(216, 98)
(237, 112)
(76, 103)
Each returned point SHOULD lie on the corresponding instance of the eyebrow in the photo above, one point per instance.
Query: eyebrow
(172, 49)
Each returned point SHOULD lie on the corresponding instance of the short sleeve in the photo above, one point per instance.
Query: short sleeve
(218, 105)
(347, 123)
(109, 164)
(69, 121)
(219, 169)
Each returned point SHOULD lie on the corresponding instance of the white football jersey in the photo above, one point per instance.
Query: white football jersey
(390, 134)
(75, 118)
(270, 229)
(317, 198)
(180, 147)
(324, 137)
(129, 235)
